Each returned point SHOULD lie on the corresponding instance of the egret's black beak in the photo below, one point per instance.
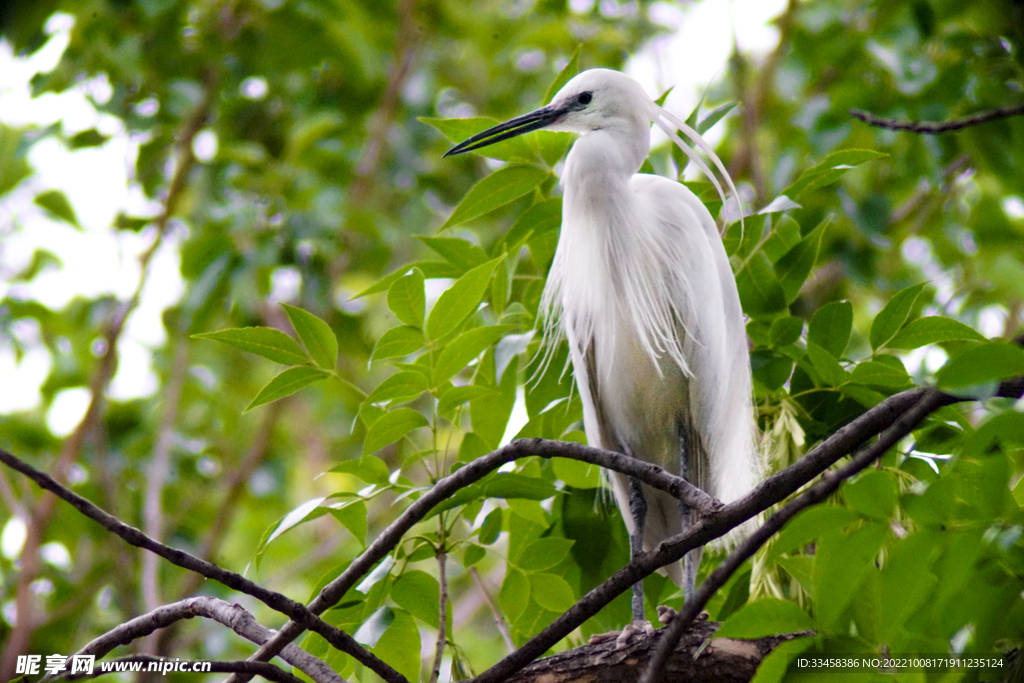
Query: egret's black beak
(540, 118)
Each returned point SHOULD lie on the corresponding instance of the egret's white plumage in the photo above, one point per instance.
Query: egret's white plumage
(642, 290)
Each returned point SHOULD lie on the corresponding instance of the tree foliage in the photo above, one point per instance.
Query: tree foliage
(376, 307)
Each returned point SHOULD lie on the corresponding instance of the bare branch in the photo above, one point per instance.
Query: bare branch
(233, 616)
(298, 612)
(930, 128)
(499, 621)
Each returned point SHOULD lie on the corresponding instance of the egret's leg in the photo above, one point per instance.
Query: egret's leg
(691, 562)
(638, 508)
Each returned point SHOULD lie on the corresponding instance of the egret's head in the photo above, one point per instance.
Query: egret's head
(598, 99)
(595, 99)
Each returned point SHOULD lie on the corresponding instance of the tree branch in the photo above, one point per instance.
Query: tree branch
(930, 128)
(233, 616)
(298, 612)
(474, 471)
(264, 669)
(930, 401)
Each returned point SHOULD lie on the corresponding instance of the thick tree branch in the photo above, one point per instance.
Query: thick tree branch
(295, 610)
(930, 128)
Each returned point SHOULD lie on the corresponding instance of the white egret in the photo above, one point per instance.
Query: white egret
(641, 288)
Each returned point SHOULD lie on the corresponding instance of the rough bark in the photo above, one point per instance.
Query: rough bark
(722, 660)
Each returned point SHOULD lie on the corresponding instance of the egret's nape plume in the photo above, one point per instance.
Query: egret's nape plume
(641, 289)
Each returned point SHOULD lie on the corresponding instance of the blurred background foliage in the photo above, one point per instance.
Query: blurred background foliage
(282, 146)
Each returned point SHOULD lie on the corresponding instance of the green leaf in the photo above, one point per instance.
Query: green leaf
(369, 468)
(794, 267)
(459, 300)
(829, 170)
(571, 68)
(315, 335)
(352, 516)
(826, 365)
(765, 617)
(287, 383)
(989, 362)
(400, 387)
(810, 525)
(430, 269)
(785, 235)
(453, 397)
(392, 427)
(457, 130)
(299, 515)
(57, 206)
(407, 300)
(774, 666)
(514, 595)
(831, 326)
(580, 475)
(398, 342)
(785, 331)
(419, 594)
(472, 447)
(463, 349)
(891, 318)
(552, 145)
(497, 189)
(87, 138)
(841, 562)
(490, 414)
(459, 252)
(400, 645)
(268, 342)
(879, 374)
(714, 116)
(512, 485)
(472, 555)
(544, 553)
(760, 292)
(491, 527)
(932, 330)
(551, 592)
(873, 494)
(543, 217)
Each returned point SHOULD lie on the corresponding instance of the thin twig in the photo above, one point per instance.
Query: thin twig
(442, 607)
(930, 128)
(156, 477)
(298, 612)
(829, 483)
(499, 620)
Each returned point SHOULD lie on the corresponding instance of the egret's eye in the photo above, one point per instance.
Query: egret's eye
(584, 98)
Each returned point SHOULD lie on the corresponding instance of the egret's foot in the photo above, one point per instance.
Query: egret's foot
(634, 629)
(666, 615)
